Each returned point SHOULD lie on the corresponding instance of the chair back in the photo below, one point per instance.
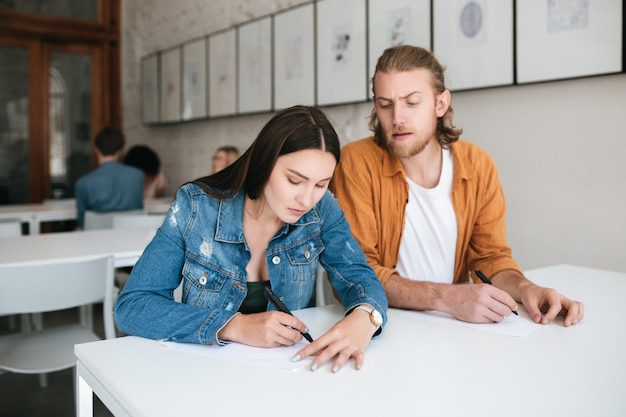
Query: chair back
(324, 293)
(10, 228)
(56, 285)
(137, 221)
(95, 220)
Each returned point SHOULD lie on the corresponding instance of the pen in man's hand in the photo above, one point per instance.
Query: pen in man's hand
(486, 280)
(273, 298)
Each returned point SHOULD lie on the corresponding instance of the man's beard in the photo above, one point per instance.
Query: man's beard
(402, 150)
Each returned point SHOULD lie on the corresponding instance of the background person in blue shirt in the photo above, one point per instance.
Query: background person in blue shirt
(113, 186)
(266, 220)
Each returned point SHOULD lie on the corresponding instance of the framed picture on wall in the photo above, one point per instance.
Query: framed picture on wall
(170, 85)
(396, 22)
(255, 66)
(566, 39)
(150, 89)
(294, 57)
(474, 40)
(194, 80)
(222, 73)
(341, 52)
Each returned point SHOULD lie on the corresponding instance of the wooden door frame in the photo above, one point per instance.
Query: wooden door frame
(43, 34)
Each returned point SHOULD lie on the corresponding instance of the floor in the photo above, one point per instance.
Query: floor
(21, 396)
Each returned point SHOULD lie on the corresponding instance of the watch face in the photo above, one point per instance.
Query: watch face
(377, 317)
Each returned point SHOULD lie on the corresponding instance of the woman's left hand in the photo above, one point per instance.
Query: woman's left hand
(346, 339)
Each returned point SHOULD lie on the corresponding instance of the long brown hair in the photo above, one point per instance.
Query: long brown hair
(291, 130)
(406, 58)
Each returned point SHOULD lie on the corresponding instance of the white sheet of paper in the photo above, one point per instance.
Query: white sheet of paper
(520, 326)
(278, 357)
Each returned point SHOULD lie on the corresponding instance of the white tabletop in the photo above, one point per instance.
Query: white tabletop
(416, 367)
(126, 245)
(34, 214)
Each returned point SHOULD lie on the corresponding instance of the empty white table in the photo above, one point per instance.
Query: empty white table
(35, 214)
(416, 367)
(57, 210)
(126, 245)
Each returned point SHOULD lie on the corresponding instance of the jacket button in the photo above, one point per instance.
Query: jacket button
(307, 254)
(276, 260)
(202, 280)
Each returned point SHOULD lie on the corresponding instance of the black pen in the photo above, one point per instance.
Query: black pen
(273, 298)
(486, 280)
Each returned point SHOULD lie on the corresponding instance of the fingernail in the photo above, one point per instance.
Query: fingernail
(295, 358)
(359, 366)
(335, 369)
(314, 367)
(306, 330)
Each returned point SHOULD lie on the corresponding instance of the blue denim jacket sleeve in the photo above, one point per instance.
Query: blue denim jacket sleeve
(351, 276)
(146, 306)
(201, 244)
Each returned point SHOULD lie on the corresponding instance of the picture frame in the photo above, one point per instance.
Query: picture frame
(150, 89)
(396, 22)
(222, 73)
(294, 57)
(194, 104)
(254, 53)
(568, 39)
(170, 85)
(473, 39)
(341, 52)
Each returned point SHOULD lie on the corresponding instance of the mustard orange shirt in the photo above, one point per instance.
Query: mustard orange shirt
(371, 188)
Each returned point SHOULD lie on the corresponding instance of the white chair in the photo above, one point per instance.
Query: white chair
(95, 220)
(10, 228)
(50, 286)
(137, 221)
(324, 294)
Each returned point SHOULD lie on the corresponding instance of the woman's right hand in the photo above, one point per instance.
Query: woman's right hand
(267, 329)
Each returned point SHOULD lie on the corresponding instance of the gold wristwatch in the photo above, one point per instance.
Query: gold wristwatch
(375, 317)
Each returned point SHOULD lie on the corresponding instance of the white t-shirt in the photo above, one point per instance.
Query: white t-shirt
(428, 243)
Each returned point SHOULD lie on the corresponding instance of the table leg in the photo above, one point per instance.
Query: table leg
(84, 396)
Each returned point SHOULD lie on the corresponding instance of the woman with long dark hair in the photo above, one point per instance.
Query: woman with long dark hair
(265, 222)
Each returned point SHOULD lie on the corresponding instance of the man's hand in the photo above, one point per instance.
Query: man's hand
(545, 304)
(478, 303)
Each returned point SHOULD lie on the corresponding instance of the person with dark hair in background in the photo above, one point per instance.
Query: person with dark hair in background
(147, 160)
(223, 157)
(266, 221)
(113, 186)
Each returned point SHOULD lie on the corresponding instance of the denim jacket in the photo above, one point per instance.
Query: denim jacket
(201, 242)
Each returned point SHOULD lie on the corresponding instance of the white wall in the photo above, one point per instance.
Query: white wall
(559, 146)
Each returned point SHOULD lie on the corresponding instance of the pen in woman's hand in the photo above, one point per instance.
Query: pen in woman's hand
(486, 280)
(273, 298)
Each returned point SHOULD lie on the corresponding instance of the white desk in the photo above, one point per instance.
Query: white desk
(57, 210)
(415, 368)
(126, 245)
(35, 214)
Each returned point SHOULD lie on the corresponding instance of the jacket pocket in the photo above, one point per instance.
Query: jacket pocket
(203, 284)
(304, 259)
